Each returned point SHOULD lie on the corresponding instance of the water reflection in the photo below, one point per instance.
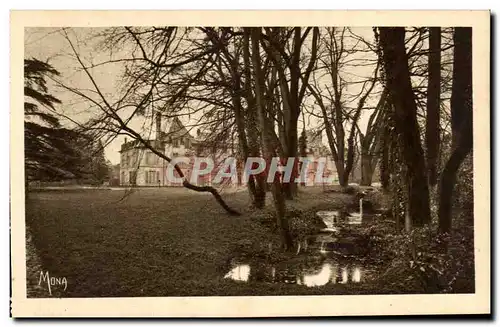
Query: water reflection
(332, 257)
(311, 274)
(239, 273)
(330, 218)
(354, 218)
(330, 243)
(345, 278)
(356, 276)
(334, 218)
(319, 279)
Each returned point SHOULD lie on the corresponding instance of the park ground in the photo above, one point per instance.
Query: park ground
(157, 242)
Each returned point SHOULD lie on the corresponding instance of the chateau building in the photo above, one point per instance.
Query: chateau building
(140, 166)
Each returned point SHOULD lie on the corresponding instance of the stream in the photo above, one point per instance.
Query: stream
(331, 256)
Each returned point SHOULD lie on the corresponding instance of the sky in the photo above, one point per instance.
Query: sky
(50, 44)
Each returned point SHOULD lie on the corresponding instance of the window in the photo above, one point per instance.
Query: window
(150, 158)
(132, 177)
(130, 160)
(152, 177)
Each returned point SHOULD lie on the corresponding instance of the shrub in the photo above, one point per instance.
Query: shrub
(424, 261)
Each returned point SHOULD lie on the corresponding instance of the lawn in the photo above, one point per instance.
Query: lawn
(154, 242)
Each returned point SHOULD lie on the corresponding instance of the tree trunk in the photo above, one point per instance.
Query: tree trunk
(290, 188)
(462, 84)
(448, 180)
(366, 169)
(339, 131)
(242, 137)
(461, 108)
(278, 198)
(303, 148)
(385, 174)
(350, 157)
(257, 182)
(432, 132)
(399, 84)
(339, 164)
(292, 92)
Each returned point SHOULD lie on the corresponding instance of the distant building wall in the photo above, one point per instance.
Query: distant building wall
(141, 167)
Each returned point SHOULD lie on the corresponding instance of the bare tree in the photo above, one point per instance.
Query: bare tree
(432, 132)
(392, 41)
(254, 147)
(461, 109)
(340, 121)
(371, 141)
(292, 83)
(234, 76)
(279, 201)
(149, 72)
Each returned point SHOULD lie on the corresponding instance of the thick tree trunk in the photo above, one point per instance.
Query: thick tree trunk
(242, 138)
(303, 148)
(339, 131)
(350, 157)
(339, 164)
(461, 85)
(405, 116)
(279, 201)
(366, 169)
(385, 173)
(461, 108)
(290, 187)
(448, 180)
(256, 183)
(432, 132)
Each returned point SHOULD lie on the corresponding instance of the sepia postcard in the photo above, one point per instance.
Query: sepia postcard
(250, 163)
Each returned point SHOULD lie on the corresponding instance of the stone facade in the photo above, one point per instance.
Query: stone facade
(140, 166)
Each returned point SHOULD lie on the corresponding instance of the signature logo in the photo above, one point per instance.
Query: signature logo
(52, 281)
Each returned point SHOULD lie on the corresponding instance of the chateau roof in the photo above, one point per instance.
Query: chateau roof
(176, 130)
(138, 144)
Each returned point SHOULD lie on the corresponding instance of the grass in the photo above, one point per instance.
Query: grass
(156, 242)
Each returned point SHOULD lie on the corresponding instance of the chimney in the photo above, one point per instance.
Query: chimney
(158, 125)
(124, 140)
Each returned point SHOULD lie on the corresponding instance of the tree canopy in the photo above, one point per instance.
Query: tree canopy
(53, 152)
